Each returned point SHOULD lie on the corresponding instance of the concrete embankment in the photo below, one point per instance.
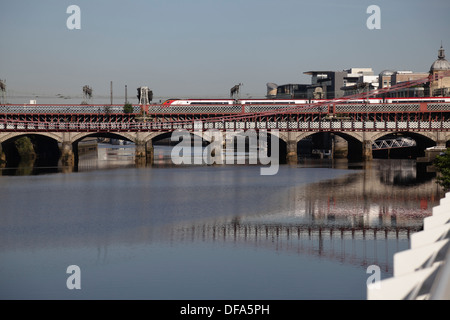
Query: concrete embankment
(423, 271)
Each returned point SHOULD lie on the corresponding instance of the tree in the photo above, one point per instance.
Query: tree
(25, 148)
(128, 108)
(442, 164)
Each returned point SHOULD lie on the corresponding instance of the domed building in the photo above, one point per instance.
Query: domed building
(440, 87)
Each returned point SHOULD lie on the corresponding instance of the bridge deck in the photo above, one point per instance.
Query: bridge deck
(330, 117)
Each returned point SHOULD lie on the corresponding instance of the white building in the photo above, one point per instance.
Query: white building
(359, 80)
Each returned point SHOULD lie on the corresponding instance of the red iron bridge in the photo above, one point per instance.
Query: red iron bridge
(360, 119)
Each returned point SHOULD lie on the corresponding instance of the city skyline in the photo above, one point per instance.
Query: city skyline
(203, 48)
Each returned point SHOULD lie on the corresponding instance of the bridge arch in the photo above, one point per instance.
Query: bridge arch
(423, 141)
(44, 150)
(345, 144)
(152, 136)
(344, 134)
(119, 135)
(7, 136)
(155, 136)
(425, 135)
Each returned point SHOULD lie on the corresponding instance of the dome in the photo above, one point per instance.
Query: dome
(441, 64)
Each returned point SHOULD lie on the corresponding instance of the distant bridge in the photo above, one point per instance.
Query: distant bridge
(393, 143)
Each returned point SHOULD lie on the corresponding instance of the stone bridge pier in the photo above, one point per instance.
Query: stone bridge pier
(144, 152)
(441, 139)
(291, 139)
(67, 150)
(67, 154)
(367, 150)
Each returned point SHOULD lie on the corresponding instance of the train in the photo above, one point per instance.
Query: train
(341, 105)
(200, 102)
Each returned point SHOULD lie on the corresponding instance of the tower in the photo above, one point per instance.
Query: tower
(143, 95)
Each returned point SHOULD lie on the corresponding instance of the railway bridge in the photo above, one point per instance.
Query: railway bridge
(360, 124)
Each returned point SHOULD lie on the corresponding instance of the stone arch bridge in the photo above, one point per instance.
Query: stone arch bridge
(359, 124)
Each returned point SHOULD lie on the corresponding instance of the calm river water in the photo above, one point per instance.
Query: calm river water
(206, 232)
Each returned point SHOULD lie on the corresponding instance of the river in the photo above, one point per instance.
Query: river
(166, 232)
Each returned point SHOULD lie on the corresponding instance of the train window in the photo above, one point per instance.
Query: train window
(269, 102)
(207, 103)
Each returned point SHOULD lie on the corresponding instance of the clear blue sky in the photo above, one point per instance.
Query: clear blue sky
(201, 48)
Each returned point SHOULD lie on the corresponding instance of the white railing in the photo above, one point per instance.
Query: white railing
(238, 123)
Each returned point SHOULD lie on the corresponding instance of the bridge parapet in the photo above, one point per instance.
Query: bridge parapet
(51, 108)
(399, 107)
(322, 107)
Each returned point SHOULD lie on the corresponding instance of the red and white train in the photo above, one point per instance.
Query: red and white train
(200, 102)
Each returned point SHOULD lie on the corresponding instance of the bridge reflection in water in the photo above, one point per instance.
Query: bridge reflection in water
(361, 246)
(361, 219)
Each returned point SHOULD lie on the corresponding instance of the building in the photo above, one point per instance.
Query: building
(384, 79)
(286, 91)
(402, 76)
(325, 84)
(436, 87)
(337, 84)
(272, 89)
(440, 87)
(292, 91)
(359, 80)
